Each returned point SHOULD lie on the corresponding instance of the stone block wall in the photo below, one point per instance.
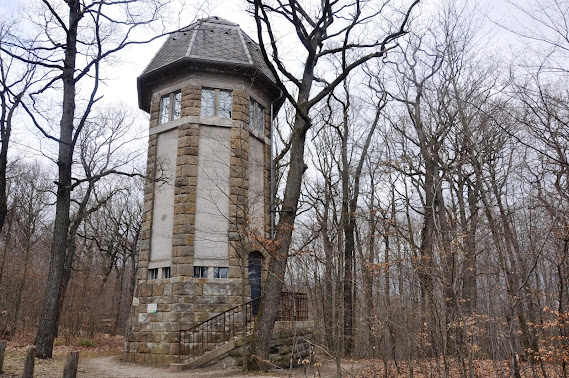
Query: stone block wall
(291, 343)
(144, 253)
(185, 200)
(191, 101)
(181, 302)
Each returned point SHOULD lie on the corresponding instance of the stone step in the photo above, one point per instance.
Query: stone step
(204, 359)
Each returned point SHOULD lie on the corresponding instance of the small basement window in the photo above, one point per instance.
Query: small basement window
(219, 272)
(153, 274)
(170, 107)
(200, 271)
(166, 272)
(216, 103)
(256, 116)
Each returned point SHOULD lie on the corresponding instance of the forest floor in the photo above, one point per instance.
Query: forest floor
(107, 360)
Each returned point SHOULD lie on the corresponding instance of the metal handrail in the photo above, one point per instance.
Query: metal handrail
(223, 327)
(217, 329)
(294, 306)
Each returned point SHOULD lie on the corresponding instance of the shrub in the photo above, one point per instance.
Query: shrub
(86, 343)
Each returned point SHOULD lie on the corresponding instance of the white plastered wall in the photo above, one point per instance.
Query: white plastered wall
(212, 199)
(163, 208)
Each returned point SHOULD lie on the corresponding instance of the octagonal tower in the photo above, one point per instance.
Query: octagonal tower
(207, 197)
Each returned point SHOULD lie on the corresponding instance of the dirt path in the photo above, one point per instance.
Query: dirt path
(99, 367)
(111, 366)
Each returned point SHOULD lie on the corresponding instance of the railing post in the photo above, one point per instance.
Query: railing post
(71, 363)
(29, 362)
(2, 349)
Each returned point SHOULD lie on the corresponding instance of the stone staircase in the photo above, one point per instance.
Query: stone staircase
(220, 338)
(212, 339)
(230, 348)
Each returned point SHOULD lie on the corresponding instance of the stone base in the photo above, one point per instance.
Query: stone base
(180, 303)
(291, 343)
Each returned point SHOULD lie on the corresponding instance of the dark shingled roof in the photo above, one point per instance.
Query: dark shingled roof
(211, 42)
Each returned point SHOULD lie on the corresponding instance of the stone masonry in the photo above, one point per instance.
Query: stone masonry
(182, 300)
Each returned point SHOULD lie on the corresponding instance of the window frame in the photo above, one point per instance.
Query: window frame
(166, 272)
(202, 271)
(174, 104)
(256, 110)
(153, 274)
(218, 269)
(216, 103)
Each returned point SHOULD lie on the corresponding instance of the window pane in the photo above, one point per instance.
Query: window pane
(260, 118)
(219, 272)
(166, 272)
(207, 102)
(177, 105)
(200, 271)
(164, 109)
(252, 114)
(153, 274)
(225, 104)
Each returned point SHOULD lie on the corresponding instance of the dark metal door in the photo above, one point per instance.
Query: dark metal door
(255, 264)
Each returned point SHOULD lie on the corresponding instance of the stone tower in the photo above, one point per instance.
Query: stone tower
(207, 197)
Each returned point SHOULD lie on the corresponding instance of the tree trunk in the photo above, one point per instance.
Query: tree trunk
(328, 305)
(119, 303)
(367, 279)
(48, 324)
(4, 140)
(277, 266)
(2, 349)
(18, 301)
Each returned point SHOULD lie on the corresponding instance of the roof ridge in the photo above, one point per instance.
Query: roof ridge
(192, 40)
(241, 32)
(217, 20)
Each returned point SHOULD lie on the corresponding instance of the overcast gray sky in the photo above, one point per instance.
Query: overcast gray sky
(234, 10)
(122, 84)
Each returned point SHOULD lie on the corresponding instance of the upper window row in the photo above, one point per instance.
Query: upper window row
(214, 103)
(153, 273)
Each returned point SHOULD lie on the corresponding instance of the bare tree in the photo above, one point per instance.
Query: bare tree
(350, 170)
(327, 31)
(16, 79)
(25, 235)
(75, 38)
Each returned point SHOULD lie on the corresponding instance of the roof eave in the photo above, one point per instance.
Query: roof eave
(144, 94)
